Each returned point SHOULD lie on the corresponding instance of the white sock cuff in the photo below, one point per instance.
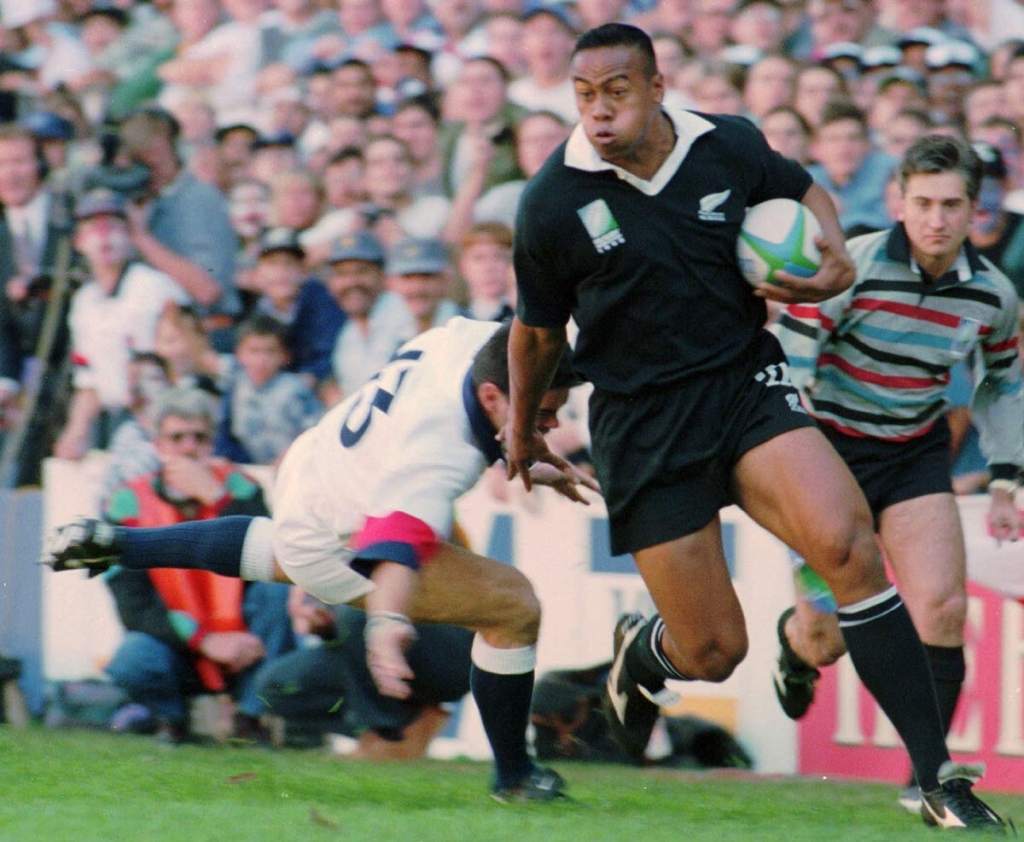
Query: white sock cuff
(257, 562)
(503, 661)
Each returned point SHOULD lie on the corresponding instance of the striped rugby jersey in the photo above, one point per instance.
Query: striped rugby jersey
(875, 360)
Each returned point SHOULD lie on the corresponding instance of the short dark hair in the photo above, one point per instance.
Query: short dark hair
(936, 153)
(490, 365)
(261, 324)
(620, 35)
(837, 110)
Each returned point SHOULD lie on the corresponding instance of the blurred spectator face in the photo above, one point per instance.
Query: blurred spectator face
(353, 91)
(910, 14)
(195, 18)
(355, 285)
(537, 137)
(180, 340)
(1006, 139)
(401, 13)
(147, 381)
(104, 241)
(196, 118)
(769, 84)
(249, 207)
(343, 183)
(261, 357)
(982, 102)
(279, 276)
(547, 45)
(295, 10)
(388, 169)
(318, 94)
(268, 161)
(346, 131)
(188, 437)
(421, 292)
(999, 58)
(714, 94)
(481, 92)
(599, 12)
(813, 88)
(835, 21)
(236, 148)
(669, 55)
(894, 98)
(841, 147)
(416, 129)
(709, 25)
(759, 25)
(947, 87)
(295, 200)
(505, 42)
(486, 267)
(245, 11)
(1013, 88)
(899, 133)
(98, 32)
(19, 171)
(357, 16)
(456, 16)
(786, 135)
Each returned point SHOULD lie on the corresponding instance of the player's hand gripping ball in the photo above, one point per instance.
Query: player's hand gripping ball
(778, 234)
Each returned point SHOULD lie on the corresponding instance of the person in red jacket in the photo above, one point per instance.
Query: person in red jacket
(191, 631)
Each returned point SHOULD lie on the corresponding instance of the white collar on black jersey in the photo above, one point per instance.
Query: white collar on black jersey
(580, 153)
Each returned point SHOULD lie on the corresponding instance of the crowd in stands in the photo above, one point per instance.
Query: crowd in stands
(265, 198)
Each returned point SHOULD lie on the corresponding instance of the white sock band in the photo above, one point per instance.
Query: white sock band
(257, 563)
(503, 661)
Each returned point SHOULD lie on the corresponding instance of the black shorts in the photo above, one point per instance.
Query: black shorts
(664, 458)
(890, 472)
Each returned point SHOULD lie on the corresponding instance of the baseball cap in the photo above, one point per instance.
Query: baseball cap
(950, 54)
(884, 55)
(360, 245)
(414, 256)
(100, 202)
(281, 239)
(46, 125)
(843, 49)
(903, 74)
(926, 35)
(278, 139)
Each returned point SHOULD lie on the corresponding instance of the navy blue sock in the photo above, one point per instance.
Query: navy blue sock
(214, 545)
(504, 705)
(948, 669)
(891, 661)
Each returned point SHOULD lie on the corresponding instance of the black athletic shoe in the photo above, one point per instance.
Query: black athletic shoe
(954, 805)
(631, 710)
(794, 679)
(542, 784)
(82, 544)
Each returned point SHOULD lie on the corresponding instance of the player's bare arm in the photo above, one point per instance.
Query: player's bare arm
(388, 629)
(533, 356)
(836, 273)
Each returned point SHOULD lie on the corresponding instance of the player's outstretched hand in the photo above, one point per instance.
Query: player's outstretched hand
(523, 454)
(388, 635)
(566, 482)
(836, 274)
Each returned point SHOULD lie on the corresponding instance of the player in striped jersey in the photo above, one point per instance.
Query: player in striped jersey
(873, 364)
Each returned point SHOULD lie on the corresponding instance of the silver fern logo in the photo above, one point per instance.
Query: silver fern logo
(601, 225)
(709, 204)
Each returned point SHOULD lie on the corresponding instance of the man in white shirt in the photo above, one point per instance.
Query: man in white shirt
(548, 39)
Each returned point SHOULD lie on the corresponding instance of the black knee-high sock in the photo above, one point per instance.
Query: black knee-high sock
(646, 661)
(214, 545)
(891, 661)
(948, 671)
(504, 705)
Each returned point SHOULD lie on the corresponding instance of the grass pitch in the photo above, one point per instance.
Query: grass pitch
(79, 786)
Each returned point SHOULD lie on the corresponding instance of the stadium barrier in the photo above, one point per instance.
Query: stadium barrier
(563, 548)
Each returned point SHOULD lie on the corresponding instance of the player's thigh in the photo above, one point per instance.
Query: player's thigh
(798, 488)
(924, 542)
(459, 587)
(688, 579)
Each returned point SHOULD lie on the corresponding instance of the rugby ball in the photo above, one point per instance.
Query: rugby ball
(778, 234)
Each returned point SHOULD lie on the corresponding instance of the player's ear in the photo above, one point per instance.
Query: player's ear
(493, 400)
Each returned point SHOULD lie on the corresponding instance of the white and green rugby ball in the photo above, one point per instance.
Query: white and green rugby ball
(778, 234)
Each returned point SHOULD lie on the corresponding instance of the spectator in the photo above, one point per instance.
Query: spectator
(182, 227)
(548, 40)
(113, 314)
(300, 304)
(717, 89)
(503, 37)
(485, 266)
(285, 33)
(353, 90)
(131, 449)
(849, 169)
(788, 133)
(897, 91)
(377, 320)
(191, 68)
(1005, 135)
(902, 129)
(191, 632)
(769, 83)
(265, 406)
(985, 99)
(814, 86)
(418, 270)
(759, 24)
(181, 340)
(329, 687)
(830, 22)
(410, 20)
(53, 52)
(710, 21)
(35, 254)
(417, 123)
(949, 79)
(908, 15)
(235, 139)
(249, 209)
(273, 154)
(296, 199)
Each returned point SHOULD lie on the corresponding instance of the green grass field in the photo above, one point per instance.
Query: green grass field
(77, 786)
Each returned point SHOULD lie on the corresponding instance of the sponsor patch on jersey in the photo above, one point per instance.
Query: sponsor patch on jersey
(601, 225)
(708, 206)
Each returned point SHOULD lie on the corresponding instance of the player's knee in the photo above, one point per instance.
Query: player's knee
(517, 610)
(717, 660)
(943, 616)
(845, 555)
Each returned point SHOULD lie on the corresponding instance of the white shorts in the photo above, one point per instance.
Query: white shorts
(308, 544)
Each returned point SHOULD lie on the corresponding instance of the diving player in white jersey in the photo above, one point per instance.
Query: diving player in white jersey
(362, 505)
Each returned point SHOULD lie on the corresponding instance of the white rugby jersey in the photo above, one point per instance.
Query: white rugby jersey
(412, 439)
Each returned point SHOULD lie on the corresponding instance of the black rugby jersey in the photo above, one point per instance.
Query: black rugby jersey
(648, 270)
